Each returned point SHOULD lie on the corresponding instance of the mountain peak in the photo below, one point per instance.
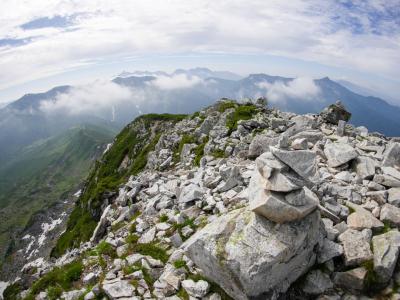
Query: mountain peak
(178, 194)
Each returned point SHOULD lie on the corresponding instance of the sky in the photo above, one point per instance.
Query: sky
(48, 43)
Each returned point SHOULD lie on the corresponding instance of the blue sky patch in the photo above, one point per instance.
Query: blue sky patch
(14, 42)
(56, 21)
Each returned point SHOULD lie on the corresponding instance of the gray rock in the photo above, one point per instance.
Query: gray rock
(317, 282)
(341, 128)
(391, 157)
(334, 113)
(328, 250)
(190, 193)
(379, 197)
(365, 167)
(101, 227)
(196, 289)
(391, 214)
(90, 278)
(394, 196)
(339, 153)
(300, 144)
(273, 206)
(386, 252)
(90, 296)
(176, 240)
(72, 295)
(148, 236)
(390, 171)
(118, 289)
(331, 232)
(311, 136)
(248, 256)
(356, 246)
(387, 180)
(276, 176)
(303, 162)
(352, 280)
(362, 218)
(261, 144)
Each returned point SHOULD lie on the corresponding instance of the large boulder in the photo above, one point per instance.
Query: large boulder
(249, 256)
(386, 252)
(339, 153)
(391, 157)
(261, 144)
(335, 112)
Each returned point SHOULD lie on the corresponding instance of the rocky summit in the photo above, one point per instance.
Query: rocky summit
(237, 201)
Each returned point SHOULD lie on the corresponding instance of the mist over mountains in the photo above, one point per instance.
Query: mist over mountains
(115, 103)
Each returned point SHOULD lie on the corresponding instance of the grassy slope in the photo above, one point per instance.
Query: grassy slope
(136, 140)
(43, 173)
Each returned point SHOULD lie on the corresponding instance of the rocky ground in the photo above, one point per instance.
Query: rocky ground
(243, 202)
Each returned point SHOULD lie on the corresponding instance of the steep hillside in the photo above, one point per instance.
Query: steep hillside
(44, 174)
(127, 156)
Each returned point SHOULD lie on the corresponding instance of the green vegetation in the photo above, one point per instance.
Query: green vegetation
(54, 292)
(182, 294)
(188, 222)
(179, 264)
(218, 153)
(242, 112)
(57, 280)
(42, 174)
(186, 139)
(199, 152)
(371, 279)
(163, 218)
(151, 249)
(132, 146)
(104, 248)
(12, 291)
(226, 104)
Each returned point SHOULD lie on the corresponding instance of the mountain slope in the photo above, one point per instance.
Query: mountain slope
(127, 156)
(44, 173)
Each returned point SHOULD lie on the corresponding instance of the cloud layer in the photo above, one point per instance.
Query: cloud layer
(361, 35)
(302, 88)
(97, 96)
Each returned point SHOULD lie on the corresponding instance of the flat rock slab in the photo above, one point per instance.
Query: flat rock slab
(303, 162)
(386, 252)
(391, 157)
(356, 246)
(394, 196)
(352, 280)
(362, 218)
(250, 256)
(390, 214)
(118, 289)
(339, 153)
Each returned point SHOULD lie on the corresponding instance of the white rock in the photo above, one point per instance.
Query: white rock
(196, 289)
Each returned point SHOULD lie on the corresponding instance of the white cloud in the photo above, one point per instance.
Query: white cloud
(176, 81)
(97, 96)
(311, 30)
(301, 88)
